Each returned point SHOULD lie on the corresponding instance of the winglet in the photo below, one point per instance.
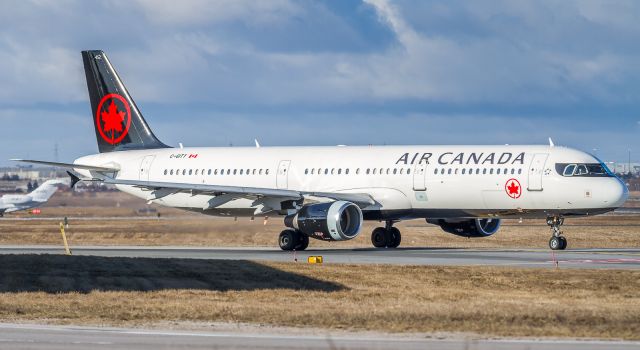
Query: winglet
(74, 179)
(551, 144)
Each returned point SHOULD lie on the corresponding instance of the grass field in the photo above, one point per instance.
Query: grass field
(177, 227)
(482, 300)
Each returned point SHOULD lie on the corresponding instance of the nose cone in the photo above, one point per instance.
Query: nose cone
(618, 193)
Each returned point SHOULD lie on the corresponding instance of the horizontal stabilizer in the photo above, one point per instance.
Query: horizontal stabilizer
(67, 165)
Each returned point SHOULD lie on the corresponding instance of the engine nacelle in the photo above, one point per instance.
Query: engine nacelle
(468, 227)
(332, 221)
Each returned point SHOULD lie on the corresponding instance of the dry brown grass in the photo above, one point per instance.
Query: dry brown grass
(183, 228)
(484, 300)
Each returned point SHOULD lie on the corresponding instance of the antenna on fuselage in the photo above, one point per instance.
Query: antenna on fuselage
(180, 144)
(551, 144)
(257, 143)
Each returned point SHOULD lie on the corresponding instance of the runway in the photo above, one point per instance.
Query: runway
(578, 258)
(17, 336)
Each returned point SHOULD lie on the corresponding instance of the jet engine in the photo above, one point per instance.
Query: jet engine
(468, 227)
(331, 221)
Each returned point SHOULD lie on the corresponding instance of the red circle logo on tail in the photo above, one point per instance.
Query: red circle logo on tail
(113, 118)
(513, 188)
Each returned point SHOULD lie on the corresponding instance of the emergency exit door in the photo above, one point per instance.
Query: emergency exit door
(419, 174)
(282, 179)
(145, 168)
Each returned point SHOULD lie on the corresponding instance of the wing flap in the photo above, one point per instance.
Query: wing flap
(361, 199)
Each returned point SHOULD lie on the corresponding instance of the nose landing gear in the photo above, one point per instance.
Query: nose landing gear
(557, 241)
(387, 236)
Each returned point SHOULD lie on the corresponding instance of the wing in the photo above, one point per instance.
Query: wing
(162, 189)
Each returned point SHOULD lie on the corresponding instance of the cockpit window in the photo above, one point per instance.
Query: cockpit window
(568, 170)
(584, 170)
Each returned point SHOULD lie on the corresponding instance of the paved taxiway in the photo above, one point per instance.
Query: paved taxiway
(579, 258)
(18, 336)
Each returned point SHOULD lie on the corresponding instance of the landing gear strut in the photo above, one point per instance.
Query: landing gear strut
(293, 240)
(387, 236)
(557, 241)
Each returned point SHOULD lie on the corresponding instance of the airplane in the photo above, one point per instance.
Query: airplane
(10, 203)
(326, 193)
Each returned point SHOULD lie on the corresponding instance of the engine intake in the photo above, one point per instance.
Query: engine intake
(468, 228)
(332, 221)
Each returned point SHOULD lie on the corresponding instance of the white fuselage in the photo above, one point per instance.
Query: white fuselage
(405, 181)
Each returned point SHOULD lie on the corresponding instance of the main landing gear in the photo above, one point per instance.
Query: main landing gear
(293, 240)
(557, 241)
(387, 236)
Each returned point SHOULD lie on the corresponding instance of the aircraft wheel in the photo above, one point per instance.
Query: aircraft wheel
(288, 239)
(303, 241)
(393, 237)
(555, 243)
(563, 243)
(378, 237)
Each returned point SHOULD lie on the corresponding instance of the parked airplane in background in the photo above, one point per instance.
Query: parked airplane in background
(10, 203)
(327, 192)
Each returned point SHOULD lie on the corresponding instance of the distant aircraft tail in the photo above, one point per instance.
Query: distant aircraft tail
(47, 189)
(118, 123)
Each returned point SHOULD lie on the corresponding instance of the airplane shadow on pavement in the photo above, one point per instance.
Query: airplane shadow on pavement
(84, 274)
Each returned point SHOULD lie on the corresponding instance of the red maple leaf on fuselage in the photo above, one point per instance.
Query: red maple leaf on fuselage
(513, 188)
(112, 119)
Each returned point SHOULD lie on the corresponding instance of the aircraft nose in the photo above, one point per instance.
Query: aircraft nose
(618, 193)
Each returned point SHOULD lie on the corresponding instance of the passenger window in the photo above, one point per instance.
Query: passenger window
(401, 171)
(519, 171)
(449, 171)
(484, 171)
(435, 171)
(408, 171)
(228, 171)
(171, 172)
(456, 171)
(339, 171)
(326, 171)
(464, 171)
(165, 171)
(184, 171)
(253, 172)
(196, 171)
(367, 171)
(346, 171)
(240, 172)
(374, 171)
(312, 171)
(395, 171)
(498, 171)
(266, 172)
(306, 171)
(357, 171)
(568, 170)
(513, 171)
(491, 171)
(260, 172)
(477, 171)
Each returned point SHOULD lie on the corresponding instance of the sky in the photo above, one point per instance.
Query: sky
(220, 73)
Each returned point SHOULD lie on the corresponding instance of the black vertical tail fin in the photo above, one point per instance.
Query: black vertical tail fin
(118, 123)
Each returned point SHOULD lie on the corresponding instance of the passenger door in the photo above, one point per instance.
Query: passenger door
(534, 182)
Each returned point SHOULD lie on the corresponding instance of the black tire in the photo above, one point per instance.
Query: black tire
(303, 241)
(288, 239)
(555, 243)
(563, 243)
(379, 237)
(393, 238)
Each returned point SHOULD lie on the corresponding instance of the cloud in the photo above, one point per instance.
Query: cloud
(349, 71)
